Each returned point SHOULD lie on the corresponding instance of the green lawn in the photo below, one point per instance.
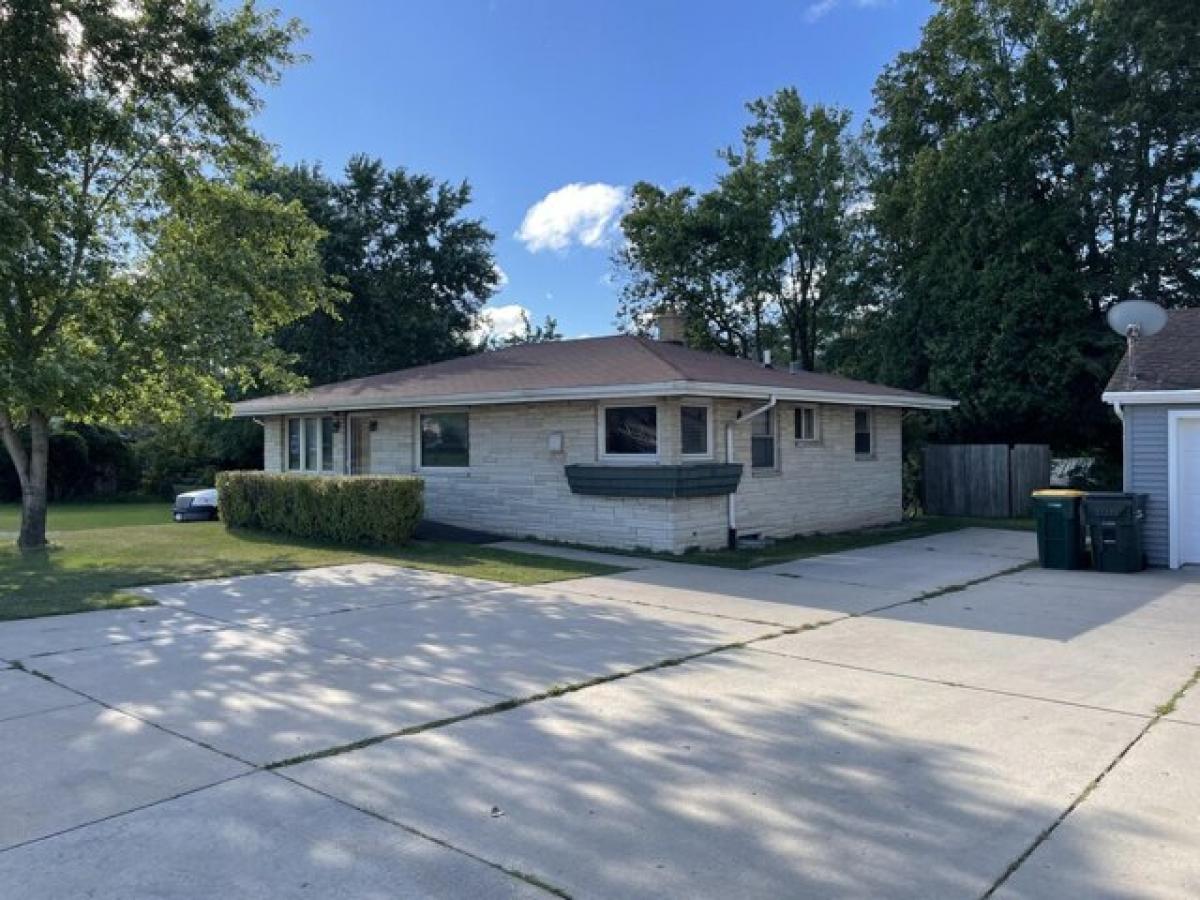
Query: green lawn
(102, 550)
(817, 544)
(76, 516)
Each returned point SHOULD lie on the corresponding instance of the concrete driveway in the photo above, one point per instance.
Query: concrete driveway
(922, 719)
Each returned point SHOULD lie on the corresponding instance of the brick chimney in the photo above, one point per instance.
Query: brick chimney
(671, 328)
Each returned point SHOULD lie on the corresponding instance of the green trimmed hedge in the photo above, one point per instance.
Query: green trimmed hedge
(360, 509)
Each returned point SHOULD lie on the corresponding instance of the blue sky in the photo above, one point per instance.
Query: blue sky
(551, 109)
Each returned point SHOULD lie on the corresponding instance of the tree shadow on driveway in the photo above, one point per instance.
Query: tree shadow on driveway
(744, 775)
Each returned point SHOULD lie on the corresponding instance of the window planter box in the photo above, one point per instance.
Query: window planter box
(689, 480)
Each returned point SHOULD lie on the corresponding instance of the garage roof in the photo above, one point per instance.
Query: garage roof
(615, 366)
(1167, 361)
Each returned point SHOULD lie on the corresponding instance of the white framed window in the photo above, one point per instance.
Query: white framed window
(695, 430)
(864, 433)
(295, 440)
(629, 433)
(310, 444)
(808, 424)
(312, 447)
(327, 444)
(445, 440)
(762, 441)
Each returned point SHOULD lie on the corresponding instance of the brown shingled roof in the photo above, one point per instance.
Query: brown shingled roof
(1167, 361)
(538, 371)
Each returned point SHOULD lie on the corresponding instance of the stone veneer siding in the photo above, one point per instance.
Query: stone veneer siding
(516, 486)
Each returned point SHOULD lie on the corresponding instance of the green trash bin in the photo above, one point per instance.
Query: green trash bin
(1059, 529)
(1115, 523)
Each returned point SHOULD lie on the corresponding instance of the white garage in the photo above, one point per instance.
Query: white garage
(1159, 404)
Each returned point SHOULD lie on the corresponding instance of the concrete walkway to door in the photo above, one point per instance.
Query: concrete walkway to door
(930, 718)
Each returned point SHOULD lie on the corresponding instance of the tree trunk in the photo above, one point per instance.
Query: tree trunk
(31, 469)
(33, 491)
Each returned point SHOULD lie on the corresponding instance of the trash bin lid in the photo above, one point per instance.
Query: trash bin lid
(1060, 493)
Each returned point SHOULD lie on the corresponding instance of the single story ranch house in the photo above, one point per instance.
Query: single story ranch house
(615, 441)
(1158, 401)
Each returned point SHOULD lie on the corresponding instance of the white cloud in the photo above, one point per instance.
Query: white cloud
(500, 322)
(584, 214)
(501, 277)
(821, 8)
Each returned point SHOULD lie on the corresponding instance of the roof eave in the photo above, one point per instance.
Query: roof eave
(279, 406)
(1187, 395)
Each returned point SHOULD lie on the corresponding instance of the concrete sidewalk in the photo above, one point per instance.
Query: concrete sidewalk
(914, 720)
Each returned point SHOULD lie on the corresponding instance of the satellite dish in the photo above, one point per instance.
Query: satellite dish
(1137, 318)
(1134, 319)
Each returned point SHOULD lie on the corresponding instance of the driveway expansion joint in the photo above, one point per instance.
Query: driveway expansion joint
(1160, 715)
(125, 812)
(953, 684)
(528, 878)
(517, 702)
(155, 725)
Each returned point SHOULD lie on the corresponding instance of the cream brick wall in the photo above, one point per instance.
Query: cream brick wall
(516, 486)
(819, 486)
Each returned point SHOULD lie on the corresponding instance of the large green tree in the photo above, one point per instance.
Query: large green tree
(763, 258)
(1036, 162)
(138, 277)
(417, 268)
(681, 251)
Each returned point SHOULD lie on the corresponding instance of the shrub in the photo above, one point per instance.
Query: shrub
(370, 510)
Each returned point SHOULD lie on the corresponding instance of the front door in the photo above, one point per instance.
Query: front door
(1187, 489)
(360, 445)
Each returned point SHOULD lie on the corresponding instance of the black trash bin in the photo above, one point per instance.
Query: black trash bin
(1059, 529)
(1115, 523)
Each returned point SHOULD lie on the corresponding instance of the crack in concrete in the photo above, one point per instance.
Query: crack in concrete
(1044, 835)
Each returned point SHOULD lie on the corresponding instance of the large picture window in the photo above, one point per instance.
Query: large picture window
(864, 436)
(445, 440)
(630, 431)
(693, 430)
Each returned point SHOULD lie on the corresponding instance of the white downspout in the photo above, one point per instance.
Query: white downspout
(731, 497)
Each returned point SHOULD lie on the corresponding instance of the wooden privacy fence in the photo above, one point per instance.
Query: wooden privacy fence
(988, 480)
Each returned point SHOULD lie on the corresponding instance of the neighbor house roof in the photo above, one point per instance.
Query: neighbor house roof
(590, 368)
(1164, 363)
